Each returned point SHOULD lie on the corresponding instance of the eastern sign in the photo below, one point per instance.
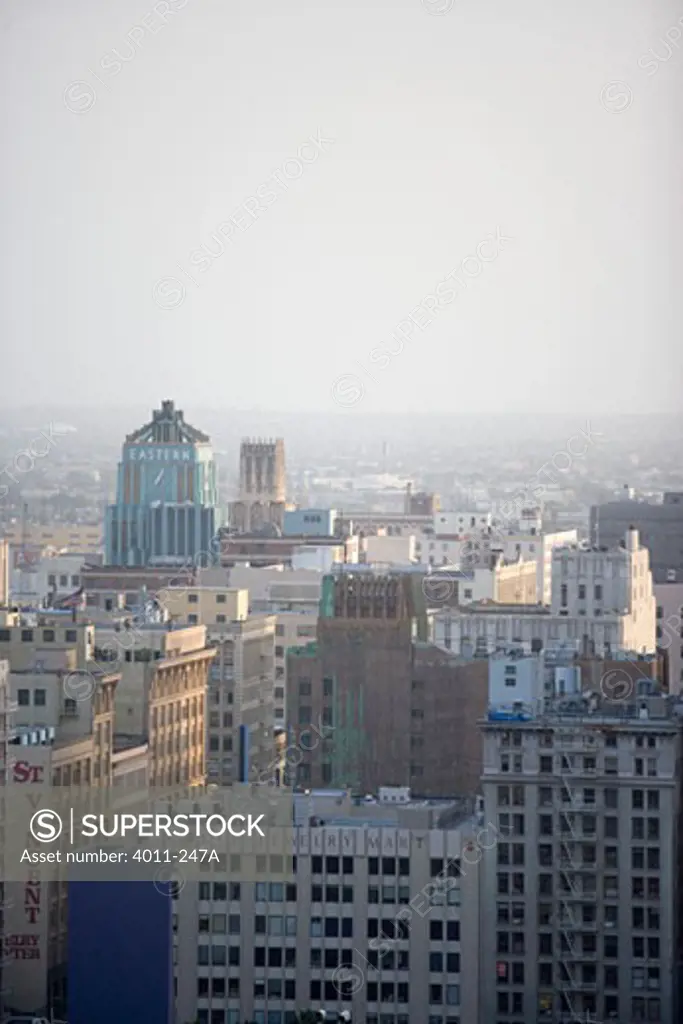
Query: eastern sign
(153, 453)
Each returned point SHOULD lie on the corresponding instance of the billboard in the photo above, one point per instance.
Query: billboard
(120, 953)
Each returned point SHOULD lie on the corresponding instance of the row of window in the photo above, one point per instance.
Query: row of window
(514, 738)
(641, 947)
(48, 636)
(301, 631)
(285, 988)
(586, 825)
(515, 796)
(642, 918)
(176, 711)
(327, 959)
(512, 884)
(215, 720)
(275, 893)
(291, 1017)
(641, 859)
(641, 1009)
(568, 764)
(24, 698)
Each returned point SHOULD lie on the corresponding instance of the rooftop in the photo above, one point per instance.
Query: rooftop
(167, 426)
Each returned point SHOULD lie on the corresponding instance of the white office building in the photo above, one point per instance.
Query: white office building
(381, 918)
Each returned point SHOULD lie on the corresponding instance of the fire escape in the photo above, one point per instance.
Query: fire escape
(576, 890)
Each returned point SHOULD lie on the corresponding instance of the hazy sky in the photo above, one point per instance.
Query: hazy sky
(134, 130)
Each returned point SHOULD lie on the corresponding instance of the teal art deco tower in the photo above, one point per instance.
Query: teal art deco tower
(166, 495)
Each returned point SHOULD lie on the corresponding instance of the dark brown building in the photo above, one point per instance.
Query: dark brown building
(616, 679)
(371, 704)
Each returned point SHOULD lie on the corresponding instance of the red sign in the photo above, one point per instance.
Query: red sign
(22, 947)
(24, 771)
(32, 901)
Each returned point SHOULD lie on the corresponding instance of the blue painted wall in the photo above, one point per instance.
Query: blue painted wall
(120, 953)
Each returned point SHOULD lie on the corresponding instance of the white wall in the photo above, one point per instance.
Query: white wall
(389, 550)
(35, 586)
(463, 521)
(321, 558)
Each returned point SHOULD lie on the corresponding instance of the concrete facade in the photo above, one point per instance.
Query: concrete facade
(262, 486)
(580, 898)
(382, 920)
(46, 579)
(660, 528)
(161, 695)
(594, 583)
(386, 550)
(390, 707)
(241, 693)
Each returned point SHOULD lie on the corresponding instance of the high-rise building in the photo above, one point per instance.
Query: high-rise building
(161, 695)
(240, 710)
(597, 583)
(580, 905)
(262, 486)
(390, 707)
(380, 919)
(62, 736)
(660, 527)
(166, 497)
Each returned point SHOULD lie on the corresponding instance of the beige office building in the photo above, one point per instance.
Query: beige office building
(161, 695)
(382, 919)
(241, 686)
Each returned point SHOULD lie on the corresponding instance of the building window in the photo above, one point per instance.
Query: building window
(48, 636)
(23, 698)
(39, 698)
(220, 598)
(192, 598)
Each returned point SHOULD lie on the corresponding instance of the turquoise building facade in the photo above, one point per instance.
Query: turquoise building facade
(166, 496)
